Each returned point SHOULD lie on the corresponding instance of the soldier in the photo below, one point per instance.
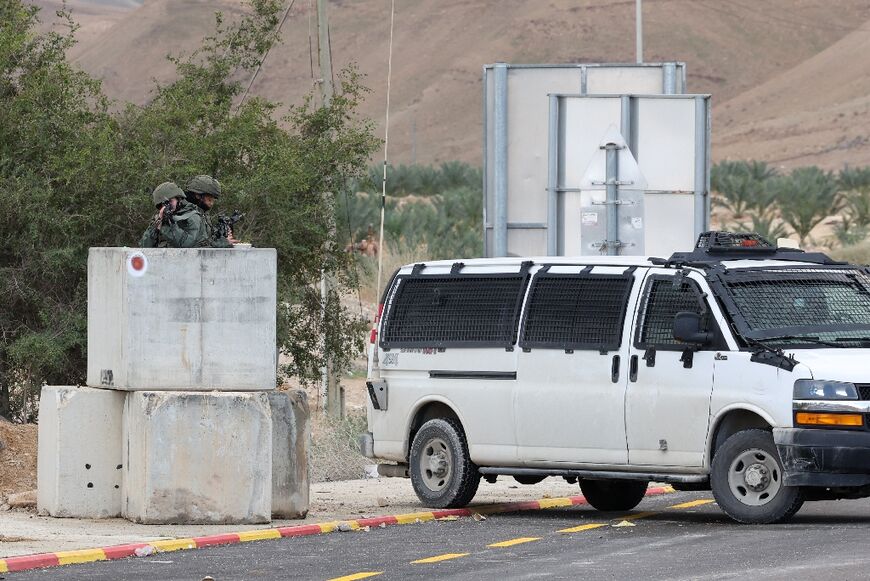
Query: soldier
(203, 191)
(171, 226)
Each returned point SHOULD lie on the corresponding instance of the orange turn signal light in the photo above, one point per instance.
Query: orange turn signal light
(816, 419)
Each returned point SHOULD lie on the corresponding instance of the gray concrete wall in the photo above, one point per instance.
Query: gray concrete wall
(291, 440)
(187, 319)
(79, 463)
(197, 458)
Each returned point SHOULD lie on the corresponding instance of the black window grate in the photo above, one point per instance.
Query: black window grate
(864, 391)
(581, 311)
(827, 304)
(453, 311)
(662, 302)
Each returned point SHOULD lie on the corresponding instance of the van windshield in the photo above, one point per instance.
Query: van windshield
(801, 306)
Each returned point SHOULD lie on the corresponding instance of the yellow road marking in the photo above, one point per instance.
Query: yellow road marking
(512, 542)
(173, 545)
(259, 535)
(404, 519)
(582, 528)
(554, 502)
(355, 576)
(3, 567)
(82, 556)
(693, 503)
(637, 516)
(437, 558)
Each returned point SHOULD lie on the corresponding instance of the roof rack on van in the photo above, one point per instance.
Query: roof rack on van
(713, 248)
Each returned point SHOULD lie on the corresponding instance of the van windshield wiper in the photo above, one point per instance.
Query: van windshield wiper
(768, 355)
(806, 339)
(862, 340)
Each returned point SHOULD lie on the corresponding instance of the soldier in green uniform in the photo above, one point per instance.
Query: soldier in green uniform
(203, 191)
(178, 223)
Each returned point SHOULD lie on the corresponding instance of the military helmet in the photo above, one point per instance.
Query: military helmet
(165, 192)
(204, 185)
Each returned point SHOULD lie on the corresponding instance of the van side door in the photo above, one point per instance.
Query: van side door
(668, 397)
(571, 365)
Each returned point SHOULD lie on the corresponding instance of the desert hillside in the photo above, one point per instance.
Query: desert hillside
(788, 76)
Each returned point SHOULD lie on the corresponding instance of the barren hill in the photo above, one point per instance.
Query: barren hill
(731, 48)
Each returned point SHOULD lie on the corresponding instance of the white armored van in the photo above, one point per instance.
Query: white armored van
(738, 367)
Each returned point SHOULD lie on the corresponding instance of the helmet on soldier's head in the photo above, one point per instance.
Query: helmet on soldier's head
(165, 192)
(204, 185)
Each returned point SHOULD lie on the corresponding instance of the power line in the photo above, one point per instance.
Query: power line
(263, 60)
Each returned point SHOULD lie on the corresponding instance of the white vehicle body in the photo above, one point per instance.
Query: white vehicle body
(644, 405)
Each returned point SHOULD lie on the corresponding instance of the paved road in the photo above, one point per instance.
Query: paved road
(677, 536)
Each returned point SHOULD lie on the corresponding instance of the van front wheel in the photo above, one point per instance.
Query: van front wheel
(442, 472)
(608, 495)
(746, 479)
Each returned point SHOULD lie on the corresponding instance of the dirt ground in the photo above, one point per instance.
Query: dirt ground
(23, 532)
(17, 458)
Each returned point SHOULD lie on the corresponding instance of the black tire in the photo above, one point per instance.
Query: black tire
(610, 495)
(442, 472)
(746, 479)
(528, 479)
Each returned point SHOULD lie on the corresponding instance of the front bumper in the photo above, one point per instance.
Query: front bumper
(824, 457)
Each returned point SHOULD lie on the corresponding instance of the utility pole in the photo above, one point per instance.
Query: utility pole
(329, 382)
(639, 30)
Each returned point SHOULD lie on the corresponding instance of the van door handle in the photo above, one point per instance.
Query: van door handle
(614, 369)
(632, 368)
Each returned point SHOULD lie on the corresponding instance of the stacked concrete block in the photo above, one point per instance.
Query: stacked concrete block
(182, 319)
(181, 346)
(291, 434)
(79, 463)
(197, 458)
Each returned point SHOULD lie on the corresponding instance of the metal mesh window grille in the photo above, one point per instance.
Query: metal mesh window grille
(576, 312)
(864, 391)
(662, 303)
(453, 310)
(828, 304)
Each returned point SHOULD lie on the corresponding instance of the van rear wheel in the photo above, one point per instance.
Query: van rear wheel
(609, 495)
(746, 479)
(442, 473)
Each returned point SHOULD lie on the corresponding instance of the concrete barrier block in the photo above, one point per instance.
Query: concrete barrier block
(182, 319)
(79, 463)
(197, 458)
(291, 439)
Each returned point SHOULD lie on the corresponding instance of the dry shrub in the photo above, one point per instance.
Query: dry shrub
(395, 256)
(335, 451)
(857, 253)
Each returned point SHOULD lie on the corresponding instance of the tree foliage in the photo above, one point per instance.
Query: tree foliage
(75, 171)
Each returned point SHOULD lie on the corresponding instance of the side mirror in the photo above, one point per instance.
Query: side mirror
(687, 329)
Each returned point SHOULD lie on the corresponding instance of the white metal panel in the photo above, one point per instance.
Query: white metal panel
(624, 80)
(666, 143)
(586, 122)
(668, 223)
(527, 242)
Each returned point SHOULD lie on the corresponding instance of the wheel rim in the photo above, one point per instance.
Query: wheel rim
(436, 464)
(754, 477)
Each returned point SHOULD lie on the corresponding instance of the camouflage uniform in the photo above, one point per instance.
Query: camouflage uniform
(194, 190)
(186, 227)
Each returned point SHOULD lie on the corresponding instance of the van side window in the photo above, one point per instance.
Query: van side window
(453, 310)
(661, 302)
(576, 311)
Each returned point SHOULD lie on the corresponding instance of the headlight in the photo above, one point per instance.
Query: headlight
(819, 389)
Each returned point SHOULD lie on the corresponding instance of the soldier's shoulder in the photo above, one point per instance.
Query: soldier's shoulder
(186, 211)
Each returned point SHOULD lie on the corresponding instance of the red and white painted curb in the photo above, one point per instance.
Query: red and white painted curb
(25, 562)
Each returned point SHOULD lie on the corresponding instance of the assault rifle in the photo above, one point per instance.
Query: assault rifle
(225, 224)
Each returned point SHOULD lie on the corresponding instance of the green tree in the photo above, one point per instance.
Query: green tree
(806, 197)
(76, 174)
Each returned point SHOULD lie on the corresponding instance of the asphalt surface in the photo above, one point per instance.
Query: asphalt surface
(675, 536)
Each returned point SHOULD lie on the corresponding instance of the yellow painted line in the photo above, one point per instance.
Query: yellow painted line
(82, 556)
(355, 576)
(693, 503)
(638, 516)
(513, 542)
(438, 558)
(413, 517)
(259, 535)
(554, 502)
(173, 545)
(3, 567)
(582, 528)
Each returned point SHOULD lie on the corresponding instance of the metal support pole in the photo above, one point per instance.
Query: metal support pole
(700, 165)
(625, 120)
(639, 27)
(669, 78)
(553, 178)
(500, 178)
(611, 201)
